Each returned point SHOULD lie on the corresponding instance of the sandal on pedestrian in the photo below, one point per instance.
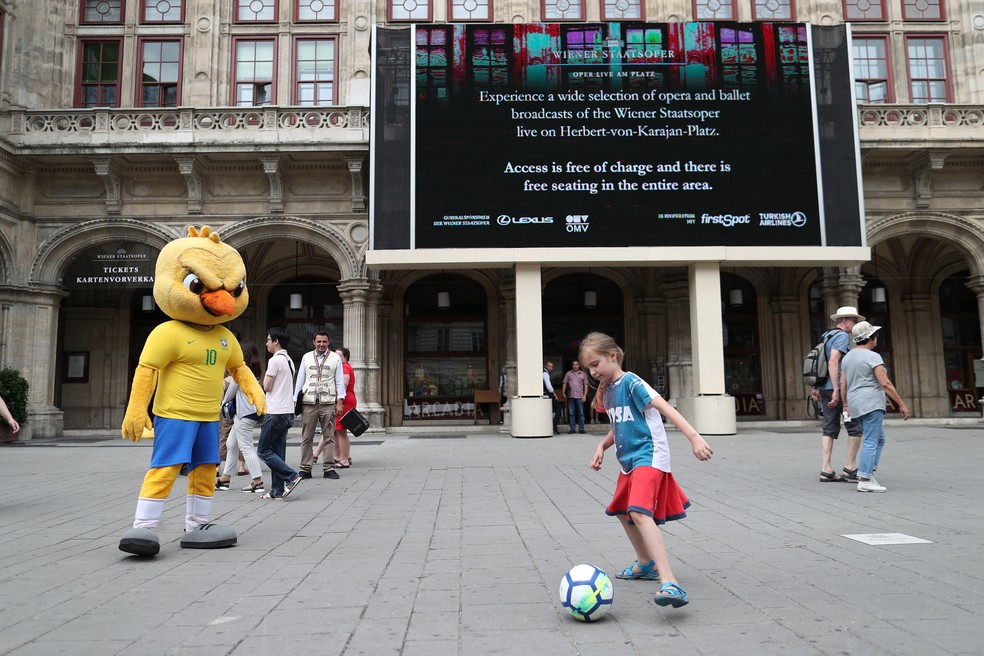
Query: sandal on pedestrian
(671, 594)
(268, 495)
(831, 477)
(289, 487)
(638, 571)
(850, 475)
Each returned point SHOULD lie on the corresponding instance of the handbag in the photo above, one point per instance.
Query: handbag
(228, 410)
(354, 422)
(299, 403)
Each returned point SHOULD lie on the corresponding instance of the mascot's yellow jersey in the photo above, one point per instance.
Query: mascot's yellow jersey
(191, 364)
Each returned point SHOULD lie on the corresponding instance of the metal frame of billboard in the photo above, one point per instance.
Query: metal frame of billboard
(392, 256)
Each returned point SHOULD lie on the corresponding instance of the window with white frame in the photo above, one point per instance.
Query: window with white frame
(470, 10)
(773, 10)
(872, 74)
(922, 10)
(622, 10)
(162, 11)
(715, 10)
(254, 72)
(552, 10)
(314, 71)
(926, 60)
(316, 10)
(409, 10)
(102, 11)
(864, 10)
(160, 73)
(249, 11)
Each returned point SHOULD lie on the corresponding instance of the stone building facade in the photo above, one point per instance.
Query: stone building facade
(124, 121)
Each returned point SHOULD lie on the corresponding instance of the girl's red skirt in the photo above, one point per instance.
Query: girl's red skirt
(649, 491)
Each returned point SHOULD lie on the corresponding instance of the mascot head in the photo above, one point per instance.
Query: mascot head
(200, 280)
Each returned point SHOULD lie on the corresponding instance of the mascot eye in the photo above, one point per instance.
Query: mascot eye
(238, 291)
(193, 284)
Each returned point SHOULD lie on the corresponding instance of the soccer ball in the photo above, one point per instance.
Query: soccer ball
(586, 592)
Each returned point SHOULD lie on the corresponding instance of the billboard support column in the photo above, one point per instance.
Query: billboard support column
(710, 410)
(531, 413)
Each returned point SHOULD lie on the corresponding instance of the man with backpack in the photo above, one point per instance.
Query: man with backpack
(827, 393)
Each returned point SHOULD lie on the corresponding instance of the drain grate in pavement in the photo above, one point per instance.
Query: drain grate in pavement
(437, 437)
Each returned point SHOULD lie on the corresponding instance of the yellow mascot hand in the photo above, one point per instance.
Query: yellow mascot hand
(136, 420)
(248, 384)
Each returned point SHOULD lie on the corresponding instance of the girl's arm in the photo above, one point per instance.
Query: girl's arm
(702, 450)
(599, 455)
(882, 376)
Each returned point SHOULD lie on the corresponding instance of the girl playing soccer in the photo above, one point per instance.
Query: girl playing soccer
(646, 493)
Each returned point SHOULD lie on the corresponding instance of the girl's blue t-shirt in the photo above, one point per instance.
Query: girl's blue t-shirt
(640, 437)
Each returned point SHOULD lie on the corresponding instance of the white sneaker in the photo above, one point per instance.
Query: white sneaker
(870, 485)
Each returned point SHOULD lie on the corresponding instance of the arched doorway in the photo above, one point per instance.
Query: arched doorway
(742, 364)
(574, 305)
(445, 350)
(961, 344)
(303, 306)
(101, 328)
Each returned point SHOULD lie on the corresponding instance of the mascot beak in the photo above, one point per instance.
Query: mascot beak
(219, 302)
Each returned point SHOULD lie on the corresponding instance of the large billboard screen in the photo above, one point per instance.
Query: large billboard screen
(625, 134)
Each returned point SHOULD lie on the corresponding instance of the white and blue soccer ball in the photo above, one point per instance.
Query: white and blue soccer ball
(586, 592)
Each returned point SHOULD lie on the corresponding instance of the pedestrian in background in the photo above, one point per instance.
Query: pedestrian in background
(575, 388)
(864, 385)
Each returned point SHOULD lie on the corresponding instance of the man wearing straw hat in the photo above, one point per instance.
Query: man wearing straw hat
(828, 395)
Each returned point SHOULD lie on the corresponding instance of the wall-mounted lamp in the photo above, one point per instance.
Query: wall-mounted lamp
(591, 299)
(296, 302)
(878, 295)
(147, 303)
(735, 296)
(443, 300)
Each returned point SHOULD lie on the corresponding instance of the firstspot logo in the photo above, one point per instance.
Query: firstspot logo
(577, 223)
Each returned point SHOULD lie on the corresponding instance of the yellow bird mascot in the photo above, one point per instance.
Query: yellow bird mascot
(200, 283)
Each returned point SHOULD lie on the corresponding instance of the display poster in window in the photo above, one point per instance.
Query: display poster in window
(614, 134)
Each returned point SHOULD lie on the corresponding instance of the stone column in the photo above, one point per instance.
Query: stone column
(507, 310)
(840, 287)
(30, 339)
(679, 366)
(361, 337)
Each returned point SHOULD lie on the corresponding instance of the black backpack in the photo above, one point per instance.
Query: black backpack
(815, 362)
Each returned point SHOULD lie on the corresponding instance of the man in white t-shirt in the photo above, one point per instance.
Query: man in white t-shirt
(278, 383)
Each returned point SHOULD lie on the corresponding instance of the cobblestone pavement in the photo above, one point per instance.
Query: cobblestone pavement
(455, 544)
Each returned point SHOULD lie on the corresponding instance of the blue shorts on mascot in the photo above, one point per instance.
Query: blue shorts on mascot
(200, 283)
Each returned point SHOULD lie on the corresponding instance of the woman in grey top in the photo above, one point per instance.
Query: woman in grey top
(864, 384)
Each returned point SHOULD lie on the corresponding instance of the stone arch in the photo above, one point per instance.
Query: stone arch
(965, 235)
(490, 281)
(6, 259)
(56, 252)
(259, 229)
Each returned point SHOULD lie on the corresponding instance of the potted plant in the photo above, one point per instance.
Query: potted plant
(13, 390)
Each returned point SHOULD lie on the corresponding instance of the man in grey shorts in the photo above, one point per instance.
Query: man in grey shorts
(828, 395)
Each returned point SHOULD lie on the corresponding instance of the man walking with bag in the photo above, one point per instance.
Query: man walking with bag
(827, 394)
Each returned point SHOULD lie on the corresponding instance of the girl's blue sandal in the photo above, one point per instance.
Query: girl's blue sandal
(671, 594)
(645, 572)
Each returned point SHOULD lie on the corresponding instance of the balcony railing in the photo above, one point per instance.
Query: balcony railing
(183, 127)
(315, 128)
(914, 125)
